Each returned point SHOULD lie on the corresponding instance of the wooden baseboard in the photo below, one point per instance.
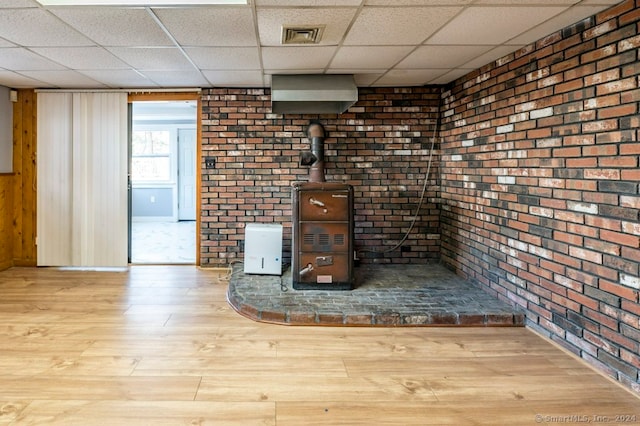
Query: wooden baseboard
(26, 263)
(5, 264)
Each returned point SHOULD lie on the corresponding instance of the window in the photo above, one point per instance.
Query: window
(151, 156)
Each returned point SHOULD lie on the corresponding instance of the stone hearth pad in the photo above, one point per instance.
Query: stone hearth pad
(383, 295)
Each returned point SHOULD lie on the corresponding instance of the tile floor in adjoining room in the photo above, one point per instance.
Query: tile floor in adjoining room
(163, 242)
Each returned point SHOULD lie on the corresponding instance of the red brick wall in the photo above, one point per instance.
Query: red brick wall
(540, 185)
(380, 146)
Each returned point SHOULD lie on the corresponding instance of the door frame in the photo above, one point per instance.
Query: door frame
(174, 96)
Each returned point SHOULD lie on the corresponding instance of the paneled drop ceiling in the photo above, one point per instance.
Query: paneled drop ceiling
(381, 42)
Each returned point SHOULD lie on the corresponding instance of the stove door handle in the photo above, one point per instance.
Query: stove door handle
(315, 202)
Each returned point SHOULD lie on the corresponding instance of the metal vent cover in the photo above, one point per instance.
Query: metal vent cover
(302, 35)
(312, 93)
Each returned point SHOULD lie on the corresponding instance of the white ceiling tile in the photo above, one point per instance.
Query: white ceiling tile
(417, 2)
(17, 3)
(225, 58)
(408, 77)
(357, 71)
(337, 20)
(119, 78)
(372, 57)
(600, 2)
(304, 57)
(220, 26)
(19, 81)
(152, 58)
(362, 77)
(307, 3)
(399, 26)
(177, 78)
(442, 56)
(113, 26)
(85, 58)
(526, 2)
(491, 25)
(366, 79)
(234, 78)
(270, 72)
(65, 79)
(19, 59)
(450, 76)
(37, 27)
(5, 43)
(492, 55)
(566, 18)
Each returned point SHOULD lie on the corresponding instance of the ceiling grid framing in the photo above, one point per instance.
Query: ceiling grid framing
(393, 43)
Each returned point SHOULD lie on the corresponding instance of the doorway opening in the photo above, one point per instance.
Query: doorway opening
(162, 188)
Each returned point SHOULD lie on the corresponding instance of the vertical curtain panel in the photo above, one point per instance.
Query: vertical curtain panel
(82, 179)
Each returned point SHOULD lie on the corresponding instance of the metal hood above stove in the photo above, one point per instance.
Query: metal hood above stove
(312, 93)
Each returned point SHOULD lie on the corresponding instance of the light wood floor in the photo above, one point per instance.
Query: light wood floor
(160, 346)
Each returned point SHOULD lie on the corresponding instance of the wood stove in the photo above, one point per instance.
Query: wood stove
(322, 246)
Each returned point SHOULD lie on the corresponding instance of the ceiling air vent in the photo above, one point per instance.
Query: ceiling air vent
(302, 35)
